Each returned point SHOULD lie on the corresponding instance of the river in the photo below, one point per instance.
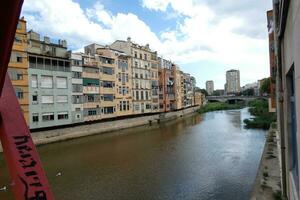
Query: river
(210, 156)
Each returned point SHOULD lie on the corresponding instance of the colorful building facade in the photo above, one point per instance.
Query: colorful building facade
(18, 68)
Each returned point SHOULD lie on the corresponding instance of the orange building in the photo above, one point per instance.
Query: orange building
(167, 85)
(18, 67)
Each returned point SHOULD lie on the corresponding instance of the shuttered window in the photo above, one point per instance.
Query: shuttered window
(48, 116)
(46, 81)
(47, 99)
(61, 82)
(62, 115)
(62, 99)
(34, 82)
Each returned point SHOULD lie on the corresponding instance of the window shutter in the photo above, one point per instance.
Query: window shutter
(61, 82)
(46, 81)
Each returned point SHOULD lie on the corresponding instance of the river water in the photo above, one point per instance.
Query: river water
(210, 156)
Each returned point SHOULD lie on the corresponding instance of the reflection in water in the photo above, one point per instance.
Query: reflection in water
(198, 157)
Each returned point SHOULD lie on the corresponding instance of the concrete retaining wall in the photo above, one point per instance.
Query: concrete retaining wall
(61, 134)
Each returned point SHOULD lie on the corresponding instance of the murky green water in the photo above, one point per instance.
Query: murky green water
(198, 157)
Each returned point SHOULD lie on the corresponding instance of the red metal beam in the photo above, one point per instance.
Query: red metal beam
(9, 16)
(29, 181)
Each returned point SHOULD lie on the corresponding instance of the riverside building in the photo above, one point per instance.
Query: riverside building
(142, 61)
(18, 68)
(50, 86)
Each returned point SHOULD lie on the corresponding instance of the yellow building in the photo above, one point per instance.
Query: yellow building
(179, 88)
(18, 67)
(123, 85)
(107, 59)
(91, 88)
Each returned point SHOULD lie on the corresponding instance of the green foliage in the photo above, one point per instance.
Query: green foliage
(219, 106)
(248, 92)
(203, 91)
(265, 87)
(263, 118)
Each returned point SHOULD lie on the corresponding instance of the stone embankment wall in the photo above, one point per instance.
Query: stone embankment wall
(61, 134)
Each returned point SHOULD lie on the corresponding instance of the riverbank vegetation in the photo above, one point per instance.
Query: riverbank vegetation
(215, 106)
(262, 117)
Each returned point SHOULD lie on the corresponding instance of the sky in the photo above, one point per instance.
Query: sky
(204, 37)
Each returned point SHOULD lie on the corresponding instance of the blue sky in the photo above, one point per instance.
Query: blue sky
(205, 38)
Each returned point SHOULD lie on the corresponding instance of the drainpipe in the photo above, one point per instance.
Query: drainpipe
(279, 88)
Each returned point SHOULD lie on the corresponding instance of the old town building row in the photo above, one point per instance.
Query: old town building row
(57, 87)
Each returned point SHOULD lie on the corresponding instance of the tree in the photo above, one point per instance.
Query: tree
(203, 91)
(265, 86)
(248, 92)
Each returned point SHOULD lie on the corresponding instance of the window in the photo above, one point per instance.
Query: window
(108, 97)
(108, 110)
(108, 84)
(145, 56)
(136, 107)
(127, 105)
(19, 26)
(34, 99)
(35, 117)
(137, 95)
(141, 56)
(92, 112)
(19, 59)
(120, 105)
(148, 106)
(19, 93)
(108, 71)
(76, 75)
(77, 99)
(48, 116)
(77, 88)
(135, 54)
(61, 82)
(19, 76)
(124, 105)
(147, 95)
(142, 95)
(91, 98)
(46, 81)
(62, 99)
(62, 115)
(47, 99)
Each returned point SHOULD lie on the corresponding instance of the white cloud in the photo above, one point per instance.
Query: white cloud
(206, 31)
(66, 19)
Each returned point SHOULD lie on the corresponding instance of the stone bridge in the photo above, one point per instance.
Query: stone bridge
(233, 99)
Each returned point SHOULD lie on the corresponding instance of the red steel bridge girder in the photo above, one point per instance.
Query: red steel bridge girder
(28, 179)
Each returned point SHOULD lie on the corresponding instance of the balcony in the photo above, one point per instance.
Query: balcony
(91, 105)
(104, 90)
(90, 75)
(91, 89)
(90, 64)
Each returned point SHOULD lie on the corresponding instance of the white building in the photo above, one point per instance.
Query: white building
(233, 81)
(210, 87)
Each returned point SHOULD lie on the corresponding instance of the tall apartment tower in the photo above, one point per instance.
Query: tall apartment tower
(18, 68)
(142, 59)
(210, 87)
(50, 86)
(233, 82)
